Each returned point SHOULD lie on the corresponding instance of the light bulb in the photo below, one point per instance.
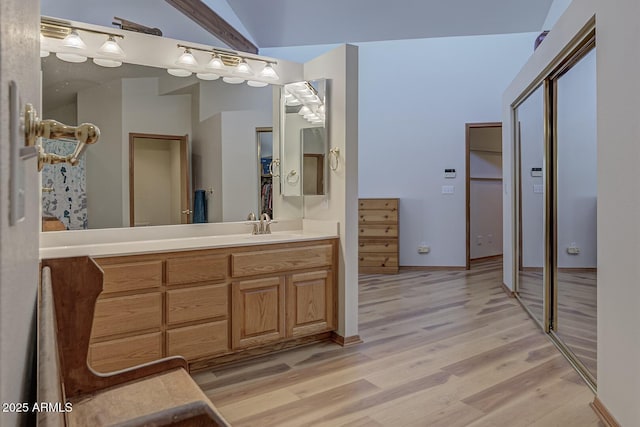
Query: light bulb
(187, 59)
(207, 76)
(233, 80)
(179, 72)
(215, 63)
(269, 73)
(243, 68)
(111, 48)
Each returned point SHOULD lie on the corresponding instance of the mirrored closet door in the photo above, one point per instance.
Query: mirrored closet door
(555, 146)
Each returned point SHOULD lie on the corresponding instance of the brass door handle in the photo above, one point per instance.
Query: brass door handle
(35, 128)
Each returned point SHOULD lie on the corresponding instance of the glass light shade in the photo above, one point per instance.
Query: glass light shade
(269, 73)
(71, 57)
(74, 41)
(304, 110)
(44, 47)
(179, 72)
(243, 68)
(207, 76)
(111, 48)
(215, 63)
(254, 83)
(187, 59)
(293, 102)
(322, 109)
(107, 62)
(233, 80)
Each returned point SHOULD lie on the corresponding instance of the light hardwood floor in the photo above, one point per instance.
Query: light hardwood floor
(445, 348)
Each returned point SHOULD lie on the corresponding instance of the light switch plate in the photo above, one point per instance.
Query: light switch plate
(448, 189)
(537, 188)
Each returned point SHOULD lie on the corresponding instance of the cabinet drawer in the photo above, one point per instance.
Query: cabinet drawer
(196, 303)
(131, 276)
(383, 204)
(123, 353)
(383, 245)
(127, 314)
(377, 260)
(378, 231)
(206, 268)
(192, 342)
(280, 260)
(378, 216)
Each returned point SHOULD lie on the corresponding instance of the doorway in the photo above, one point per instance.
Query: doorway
(483, 191)
(159, 190)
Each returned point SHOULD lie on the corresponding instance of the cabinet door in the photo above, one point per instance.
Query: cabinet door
(257, 311)
(310, 303)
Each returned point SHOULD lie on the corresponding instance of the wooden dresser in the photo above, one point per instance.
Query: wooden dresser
(378, 236)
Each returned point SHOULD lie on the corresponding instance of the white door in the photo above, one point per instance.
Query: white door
(19, 62)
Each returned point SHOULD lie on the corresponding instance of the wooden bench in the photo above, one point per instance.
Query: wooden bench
(159, 393)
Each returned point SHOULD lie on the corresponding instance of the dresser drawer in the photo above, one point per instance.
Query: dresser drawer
(378, 216)
(123, 353)
(192, 342)
(203, 268)
(131, 276)
(121, 315)
(378, 231)
(280, 260)
(197, 303)
(377, 260)
(381, 204)
(382, 245)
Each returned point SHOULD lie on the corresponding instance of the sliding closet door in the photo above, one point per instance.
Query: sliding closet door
(530, 136)
(575, 284)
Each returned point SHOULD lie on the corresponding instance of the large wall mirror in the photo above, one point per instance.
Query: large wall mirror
(305, 146)
(218, 119)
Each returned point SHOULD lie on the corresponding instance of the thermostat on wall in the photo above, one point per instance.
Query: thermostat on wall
(449, 173)
(536, 172)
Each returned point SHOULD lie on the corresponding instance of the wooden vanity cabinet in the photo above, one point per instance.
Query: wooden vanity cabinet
(208, 303)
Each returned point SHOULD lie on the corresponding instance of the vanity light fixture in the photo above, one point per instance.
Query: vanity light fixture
(110, 54)
(74, 49)
(44, 47)
(234, 67)
(268, 72)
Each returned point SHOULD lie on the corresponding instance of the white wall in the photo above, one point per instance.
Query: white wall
(577, 164)
(144, 111)
(241, 185)
(413, 127)
(618, 235)
(530, 116)
(105, 159)
(67, 114)
(341, 67)
(555, 11)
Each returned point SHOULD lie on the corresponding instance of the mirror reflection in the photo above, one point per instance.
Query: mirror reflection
(265, 167)
(217, 119)
(304, 142)
(530, 139)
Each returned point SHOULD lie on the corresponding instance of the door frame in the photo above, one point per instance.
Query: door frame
(185, 197)
(468, 127)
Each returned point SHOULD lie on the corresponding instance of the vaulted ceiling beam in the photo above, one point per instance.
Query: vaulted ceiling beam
(201, 14)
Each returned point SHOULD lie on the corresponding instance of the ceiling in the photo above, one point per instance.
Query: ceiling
(277, 23)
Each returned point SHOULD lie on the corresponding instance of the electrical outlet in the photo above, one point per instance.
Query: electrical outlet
(573, 250)
(448, 189)
(479, 240)
(489, 238)
(424, 249)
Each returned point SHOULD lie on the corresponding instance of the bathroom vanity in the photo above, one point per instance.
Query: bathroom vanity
(214, 299)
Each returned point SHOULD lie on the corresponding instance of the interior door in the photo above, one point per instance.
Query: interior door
(19, 32)
(159, 180)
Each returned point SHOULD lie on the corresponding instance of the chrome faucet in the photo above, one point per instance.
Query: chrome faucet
(252, 218)
(265, 224)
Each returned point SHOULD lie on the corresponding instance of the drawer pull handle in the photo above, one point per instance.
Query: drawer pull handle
(386, 245)
(387, 230)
